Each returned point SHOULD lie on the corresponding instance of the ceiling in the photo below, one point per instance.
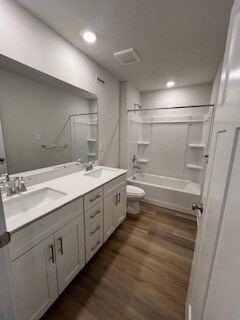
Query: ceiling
(179, 40)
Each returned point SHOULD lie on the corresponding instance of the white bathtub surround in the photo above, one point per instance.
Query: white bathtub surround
(176, 194)
(166, 146)
(134, 195)
(170, 145)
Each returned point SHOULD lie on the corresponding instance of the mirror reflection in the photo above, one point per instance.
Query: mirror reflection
(44, 125)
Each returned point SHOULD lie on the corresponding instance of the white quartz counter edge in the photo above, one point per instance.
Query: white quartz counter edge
(75, 185)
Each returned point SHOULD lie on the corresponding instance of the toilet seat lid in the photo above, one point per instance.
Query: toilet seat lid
(134, 191)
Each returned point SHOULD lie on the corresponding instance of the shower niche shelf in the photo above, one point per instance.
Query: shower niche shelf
(197, 146)
(92, 154)
(143, 143)
(194, 167)
(142, 160)
(91, 140)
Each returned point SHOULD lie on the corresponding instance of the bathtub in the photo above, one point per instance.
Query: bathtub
(176, 194)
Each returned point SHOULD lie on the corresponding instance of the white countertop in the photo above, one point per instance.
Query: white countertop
(75, 185)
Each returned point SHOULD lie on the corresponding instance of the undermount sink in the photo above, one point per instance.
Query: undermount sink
(27, 202)
(100, 173)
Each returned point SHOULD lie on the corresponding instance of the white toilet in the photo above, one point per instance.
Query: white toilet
(134, 195)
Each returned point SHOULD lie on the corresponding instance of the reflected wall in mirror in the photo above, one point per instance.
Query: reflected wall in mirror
(84, 136)
(44, 125)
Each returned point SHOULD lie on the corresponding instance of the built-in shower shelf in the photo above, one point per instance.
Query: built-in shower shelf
(92, 154)
(197, 146)
(91, 140)
(142, 160)
(194, 167)
(143, 143)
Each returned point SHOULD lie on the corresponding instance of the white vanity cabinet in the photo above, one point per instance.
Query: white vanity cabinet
(70, 251)
(35, 280)
(44, 270)
(110, 205)
(120, 213)
(114, 205)
(49, 252)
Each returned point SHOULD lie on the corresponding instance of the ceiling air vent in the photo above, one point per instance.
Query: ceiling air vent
(127, 56)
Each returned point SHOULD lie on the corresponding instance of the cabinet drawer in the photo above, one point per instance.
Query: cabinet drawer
(94, 228)
(93, 246)
(114, 184)
(93, 214)
(27, 237)
(93, 198)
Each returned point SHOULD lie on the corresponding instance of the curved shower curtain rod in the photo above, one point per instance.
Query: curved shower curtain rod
(165, 108)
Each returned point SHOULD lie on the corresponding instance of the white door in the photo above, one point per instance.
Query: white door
(110, 205)
(70, 251)
(35, 281)
(214, 288)
(120, 212)
(3, 162)
(6, 301)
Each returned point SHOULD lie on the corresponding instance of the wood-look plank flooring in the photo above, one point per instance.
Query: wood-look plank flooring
(141, 273)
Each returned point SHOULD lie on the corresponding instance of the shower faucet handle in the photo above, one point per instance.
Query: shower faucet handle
(134, 158)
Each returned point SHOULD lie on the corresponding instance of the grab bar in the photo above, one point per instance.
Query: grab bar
(54, 146)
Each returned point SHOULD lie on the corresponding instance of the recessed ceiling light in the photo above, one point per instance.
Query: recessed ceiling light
(89, 36)
(170, 84)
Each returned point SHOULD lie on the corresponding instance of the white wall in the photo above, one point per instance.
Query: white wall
(28, 108)
(129, 96)
(184, 96)
(26, 39)
(216, 85)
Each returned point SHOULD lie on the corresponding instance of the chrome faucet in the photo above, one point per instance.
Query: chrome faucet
(22, 185)
(6, 176)
(88, 165)
(18, 185)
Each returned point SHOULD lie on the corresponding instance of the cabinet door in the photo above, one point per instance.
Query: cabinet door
(35, 280)
(109, 214)
(70, 251)
(120, 212)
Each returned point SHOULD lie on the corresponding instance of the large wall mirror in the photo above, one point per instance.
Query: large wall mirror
(44, 121)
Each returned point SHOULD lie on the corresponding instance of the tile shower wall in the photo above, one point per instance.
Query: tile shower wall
(169, 145)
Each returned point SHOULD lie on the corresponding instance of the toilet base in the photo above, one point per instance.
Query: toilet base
(133, 207)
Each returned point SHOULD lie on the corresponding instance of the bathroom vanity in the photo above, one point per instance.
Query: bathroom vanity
(56, 227)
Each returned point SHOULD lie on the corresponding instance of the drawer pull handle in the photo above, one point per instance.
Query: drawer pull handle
(61, 245)
(94, 215)
(94, 231)
(116, 201)
(95, 198)
(52, 253)
(119, 197)
(96, 245)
